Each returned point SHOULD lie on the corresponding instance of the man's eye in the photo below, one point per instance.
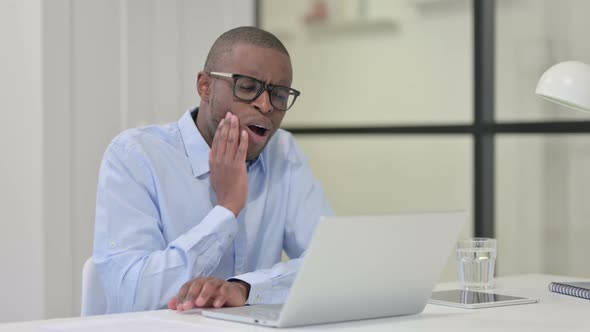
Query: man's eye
(247, 87)
(281, 95)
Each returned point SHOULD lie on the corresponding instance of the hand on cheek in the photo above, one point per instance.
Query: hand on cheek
(227, 162)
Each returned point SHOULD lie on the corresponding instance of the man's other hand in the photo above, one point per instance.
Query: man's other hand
(210, 292)
(227, 162)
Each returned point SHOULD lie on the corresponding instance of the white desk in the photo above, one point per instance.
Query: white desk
(554, 312)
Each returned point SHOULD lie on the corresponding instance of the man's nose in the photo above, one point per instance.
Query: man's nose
(262, 103)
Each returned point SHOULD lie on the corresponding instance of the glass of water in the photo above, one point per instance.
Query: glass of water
(477, 259)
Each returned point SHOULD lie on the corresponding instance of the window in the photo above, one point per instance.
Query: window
(421, 105)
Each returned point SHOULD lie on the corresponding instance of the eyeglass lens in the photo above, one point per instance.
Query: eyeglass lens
(248, 89)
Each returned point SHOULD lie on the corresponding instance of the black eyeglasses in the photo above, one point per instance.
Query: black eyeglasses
(247, 89)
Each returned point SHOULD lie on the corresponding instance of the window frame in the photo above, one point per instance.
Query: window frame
(484, 127)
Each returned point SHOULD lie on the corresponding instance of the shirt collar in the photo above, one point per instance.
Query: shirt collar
(197, 148)
(260, 161)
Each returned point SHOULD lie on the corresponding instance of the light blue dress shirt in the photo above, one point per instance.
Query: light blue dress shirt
(158, 225)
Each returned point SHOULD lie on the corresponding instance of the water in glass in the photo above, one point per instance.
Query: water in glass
(476, 267)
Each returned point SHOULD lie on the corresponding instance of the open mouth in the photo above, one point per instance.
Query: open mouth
(258, 130)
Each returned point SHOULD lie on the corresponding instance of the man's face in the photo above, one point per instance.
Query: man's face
(258, 117)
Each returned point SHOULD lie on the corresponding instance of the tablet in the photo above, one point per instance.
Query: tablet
(474, 300)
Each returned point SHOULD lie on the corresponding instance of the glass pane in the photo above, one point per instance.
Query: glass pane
(531, 36)
(387, 174)
(542, 213)
(369, 62)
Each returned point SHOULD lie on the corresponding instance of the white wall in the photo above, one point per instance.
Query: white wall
(58, 157)
(75, 73)
(21, 163)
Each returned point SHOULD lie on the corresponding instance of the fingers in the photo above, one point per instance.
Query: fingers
(243, 147)
(229, 177)
(216, 141)
(207, 292)
(220, 139)
(227, 138)
(223, 139)
(222, 296)
(181, 295)
(232, 138)
(217, 136)
(192, 293)
(173, 303)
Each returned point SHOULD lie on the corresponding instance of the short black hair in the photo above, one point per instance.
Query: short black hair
(247, 35)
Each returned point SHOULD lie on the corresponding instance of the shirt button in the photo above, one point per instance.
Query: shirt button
(112, 244)
(258, 298)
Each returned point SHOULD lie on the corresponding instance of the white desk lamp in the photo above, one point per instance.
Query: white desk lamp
(567, 83)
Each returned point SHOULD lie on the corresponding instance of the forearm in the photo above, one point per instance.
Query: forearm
(146, 279)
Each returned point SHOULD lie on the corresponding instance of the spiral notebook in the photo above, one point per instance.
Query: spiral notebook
(577, 289)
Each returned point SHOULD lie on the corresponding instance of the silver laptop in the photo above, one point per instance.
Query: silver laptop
(362, 267)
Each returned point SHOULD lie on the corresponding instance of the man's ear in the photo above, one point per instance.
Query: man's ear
(203, 85)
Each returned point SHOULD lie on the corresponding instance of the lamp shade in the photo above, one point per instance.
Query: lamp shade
(567, 83)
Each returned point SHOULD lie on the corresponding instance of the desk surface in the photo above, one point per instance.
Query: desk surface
(554, 312)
